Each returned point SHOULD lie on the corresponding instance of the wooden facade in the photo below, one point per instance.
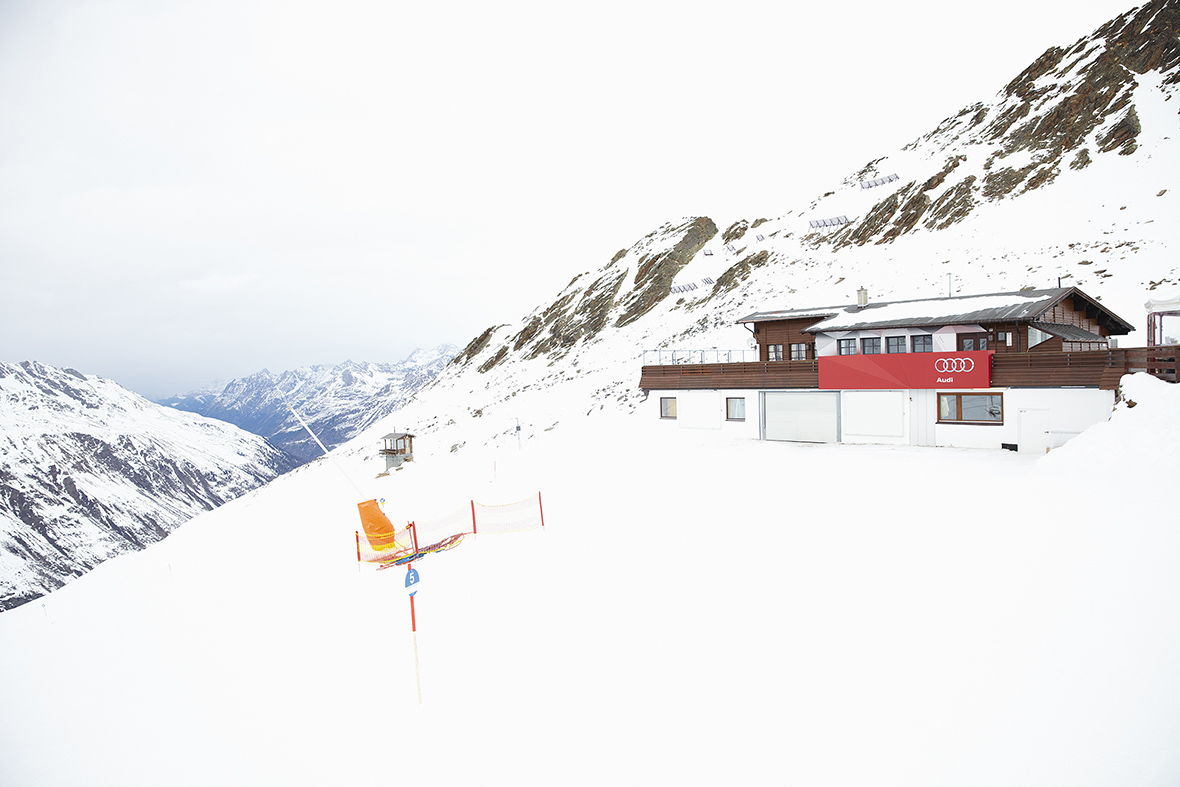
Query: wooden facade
(784, 333)
(1071, 309)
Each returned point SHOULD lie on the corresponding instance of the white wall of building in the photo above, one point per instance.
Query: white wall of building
(707, 410)
(880, 417)
(1067, 412)
(1051, 416)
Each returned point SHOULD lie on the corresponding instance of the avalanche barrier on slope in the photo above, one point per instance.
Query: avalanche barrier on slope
(387, 546)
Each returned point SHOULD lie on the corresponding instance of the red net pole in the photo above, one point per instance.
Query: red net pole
(540, 510)
(413, 618)
(414, 533)
(473, 530)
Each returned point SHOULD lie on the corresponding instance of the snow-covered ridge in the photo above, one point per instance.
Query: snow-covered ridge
(89, 470)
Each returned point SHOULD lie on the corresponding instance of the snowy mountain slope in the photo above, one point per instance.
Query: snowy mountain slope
(89, 470)
(673, 623)
(676, 621)
(336, 401)
(1071, 172)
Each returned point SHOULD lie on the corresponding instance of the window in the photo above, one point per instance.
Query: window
(846, 346)
(971, 408)
(973, 342)
(735, 408)
(774, 352)
(799, 352)
(1035, 337)
(894, 344)
(870, 346)
(667, 407)
(923, 343)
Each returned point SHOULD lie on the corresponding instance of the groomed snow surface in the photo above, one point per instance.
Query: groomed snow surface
(698, 610)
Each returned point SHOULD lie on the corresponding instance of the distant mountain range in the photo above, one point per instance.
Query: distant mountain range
(90, 470)
(337, 402)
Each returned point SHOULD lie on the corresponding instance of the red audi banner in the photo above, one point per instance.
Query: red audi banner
(906, 370)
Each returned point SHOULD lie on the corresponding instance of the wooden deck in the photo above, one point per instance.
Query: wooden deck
(1093, 369)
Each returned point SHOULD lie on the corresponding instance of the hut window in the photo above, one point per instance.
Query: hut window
(735, 408)
(774, 352)
(667, 407)
(799, 352)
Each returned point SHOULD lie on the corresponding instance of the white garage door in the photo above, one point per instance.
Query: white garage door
(809, 417)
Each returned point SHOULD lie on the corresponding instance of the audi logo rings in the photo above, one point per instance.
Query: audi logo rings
(944, 365)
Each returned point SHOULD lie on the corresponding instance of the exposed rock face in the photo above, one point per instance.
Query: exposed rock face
(1068, 104)
(655, 272)
(89, 470)
(739, 272)
(735, 231)
(592, 302)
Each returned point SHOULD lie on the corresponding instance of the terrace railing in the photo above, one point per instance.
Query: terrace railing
(663, 357)
(1090, 369)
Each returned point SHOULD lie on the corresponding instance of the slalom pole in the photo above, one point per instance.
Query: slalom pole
(474, 530)
(414, 631)
(540, 509)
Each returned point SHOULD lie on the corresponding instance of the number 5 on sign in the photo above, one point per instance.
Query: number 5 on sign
(412, 580)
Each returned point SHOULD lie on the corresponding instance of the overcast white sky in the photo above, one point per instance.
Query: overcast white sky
(193, 191)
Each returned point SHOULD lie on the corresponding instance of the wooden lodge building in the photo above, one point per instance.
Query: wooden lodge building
(1022, 370)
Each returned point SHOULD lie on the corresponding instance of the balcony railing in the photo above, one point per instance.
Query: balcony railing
(669, 357)
(1092, 369)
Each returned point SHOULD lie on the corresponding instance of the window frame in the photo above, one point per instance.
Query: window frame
(924, 338)
(728, 415)
(895, 341)
(664, 408)
(974, 338)
(958, 396)
(799, 349)
(864, 345)
(846, 347)
(774, 352)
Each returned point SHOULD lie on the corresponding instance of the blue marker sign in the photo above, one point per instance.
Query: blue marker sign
(412, 580)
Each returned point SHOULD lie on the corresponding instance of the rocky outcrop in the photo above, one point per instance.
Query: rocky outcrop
(655, 271)
(1068, 105)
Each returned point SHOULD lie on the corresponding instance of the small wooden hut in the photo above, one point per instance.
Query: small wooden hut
(397, 447)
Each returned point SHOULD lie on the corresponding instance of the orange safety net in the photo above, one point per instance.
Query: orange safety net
(388, 546)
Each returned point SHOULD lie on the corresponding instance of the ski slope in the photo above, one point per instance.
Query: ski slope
(697, 610)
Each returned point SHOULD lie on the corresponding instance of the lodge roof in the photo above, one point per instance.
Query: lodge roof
(1071, 333)
(1025, 305)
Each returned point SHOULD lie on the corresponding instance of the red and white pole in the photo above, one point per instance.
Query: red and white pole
(540, 509)
(414, 631)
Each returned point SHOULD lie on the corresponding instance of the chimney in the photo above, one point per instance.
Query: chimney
(862, 298)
